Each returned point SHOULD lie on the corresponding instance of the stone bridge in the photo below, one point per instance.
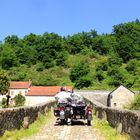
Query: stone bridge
(124, 120)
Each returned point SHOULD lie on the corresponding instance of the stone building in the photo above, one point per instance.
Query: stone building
(40, 94)
(120, 97)
(19, 87)
(33, 94)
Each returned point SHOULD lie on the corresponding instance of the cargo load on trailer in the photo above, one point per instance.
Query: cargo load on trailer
(70, 106)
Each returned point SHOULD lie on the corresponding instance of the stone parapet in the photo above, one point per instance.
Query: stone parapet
(125, 121)
(13, 118)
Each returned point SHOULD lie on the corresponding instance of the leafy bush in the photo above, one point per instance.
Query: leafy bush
(40, 66)
(83, 82)
(79, 75)
(99, 75)
(79, 70)
(4, 103)
(21, 75)
(114, 60)
(135, 105)
(19, 100)
(102, 66)
(132, 66)
(117, 76)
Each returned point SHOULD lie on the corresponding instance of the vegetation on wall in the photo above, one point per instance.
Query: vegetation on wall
(84, 59)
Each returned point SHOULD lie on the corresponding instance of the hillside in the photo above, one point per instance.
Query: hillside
(84, 60)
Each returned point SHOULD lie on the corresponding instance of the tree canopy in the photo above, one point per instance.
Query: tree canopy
(111, 58)
(4, 82)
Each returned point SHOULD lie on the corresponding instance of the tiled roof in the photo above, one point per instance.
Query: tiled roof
(20, 85)
(45, 90)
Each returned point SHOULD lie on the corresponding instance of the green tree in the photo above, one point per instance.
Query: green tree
(117, 76)
(31, 40)
(100, 75)
(8, 58)
(4, 82)
(61, 58)
(128, 38)
(82, 82)
(115, 60)
(11, 40)
(102, 65)
(75, 43)
(50, 49)
(79, 70)
(132, 66)
(79, 75)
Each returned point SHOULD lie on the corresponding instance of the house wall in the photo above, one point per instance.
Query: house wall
(33, 100)
(121, 97)
(14, 92)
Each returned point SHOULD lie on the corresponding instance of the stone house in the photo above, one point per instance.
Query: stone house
(34, 94)
(120, 97)
(19, 87)
(40, 94)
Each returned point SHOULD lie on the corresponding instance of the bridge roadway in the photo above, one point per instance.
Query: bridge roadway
(52, 130)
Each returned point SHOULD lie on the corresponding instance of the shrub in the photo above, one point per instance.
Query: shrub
(132, 66)
(135, 105)
(79, 70)
(83, 82)
(117, 76)
(40, 66)
(4, 102)
(19, 100)
(99, 75)
(114, 60)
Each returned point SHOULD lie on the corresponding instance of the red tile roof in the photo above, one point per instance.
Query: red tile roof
(20, 85)
(45, 90)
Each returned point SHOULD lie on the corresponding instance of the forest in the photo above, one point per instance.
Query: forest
(85, 60)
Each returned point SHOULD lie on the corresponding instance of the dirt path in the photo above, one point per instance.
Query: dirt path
(78, 131)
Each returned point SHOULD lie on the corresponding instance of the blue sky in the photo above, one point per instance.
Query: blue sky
(65, 17)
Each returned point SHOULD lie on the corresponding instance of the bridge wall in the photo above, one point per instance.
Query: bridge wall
(13, 118)
(125, 121)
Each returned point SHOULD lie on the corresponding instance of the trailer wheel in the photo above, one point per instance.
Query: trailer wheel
(62, 121)
(88, 122)
(71, 122)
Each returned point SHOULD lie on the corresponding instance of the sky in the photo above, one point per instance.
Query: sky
(64, 17)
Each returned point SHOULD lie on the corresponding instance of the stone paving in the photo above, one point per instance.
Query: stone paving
(78, 131)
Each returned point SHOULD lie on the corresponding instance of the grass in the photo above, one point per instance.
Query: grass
(107, 131)
(33, 129)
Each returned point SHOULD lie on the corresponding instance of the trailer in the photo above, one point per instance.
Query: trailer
(68, 110)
